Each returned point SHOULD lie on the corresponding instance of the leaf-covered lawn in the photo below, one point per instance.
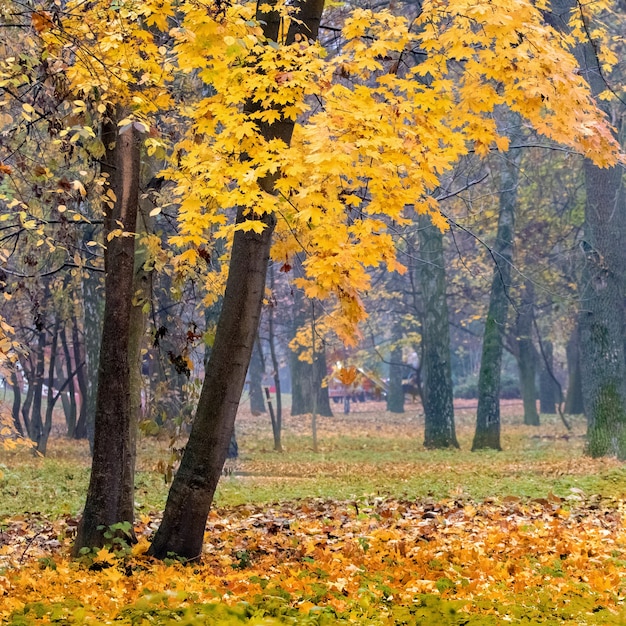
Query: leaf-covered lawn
(552, 550)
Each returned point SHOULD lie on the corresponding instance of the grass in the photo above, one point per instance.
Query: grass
(365, 453)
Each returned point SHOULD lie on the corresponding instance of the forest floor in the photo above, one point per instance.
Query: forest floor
(369, 529)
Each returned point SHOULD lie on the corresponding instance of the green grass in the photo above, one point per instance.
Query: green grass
(359, 454)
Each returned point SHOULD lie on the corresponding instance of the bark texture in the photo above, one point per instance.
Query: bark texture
(110, 493)
(439, 428)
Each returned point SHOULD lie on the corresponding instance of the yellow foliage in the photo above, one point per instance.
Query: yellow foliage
(375, 132)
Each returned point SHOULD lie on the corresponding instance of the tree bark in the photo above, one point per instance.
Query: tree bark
(487, 433)
(184, 519)
(110, 493)
(439, 429)
(601, 318)
(17, 401)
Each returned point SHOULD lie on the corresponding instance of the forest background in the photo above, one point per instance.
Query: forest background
(358, 205)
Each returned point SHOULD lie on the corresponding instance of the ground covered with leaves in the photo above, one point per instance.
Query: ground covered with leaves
(371, 529)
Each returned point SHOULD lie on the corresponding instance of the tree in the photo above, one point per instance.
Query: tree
(110, 496)
(526, 354)
(487, 433)
(436, 366)
(201, 466)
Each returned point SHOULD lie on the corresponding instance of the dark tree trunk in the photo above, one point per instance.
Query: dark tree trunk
(526, 355)
(255, 378)
(192, 490)
(80, 431)
(17, 401)
(36, 421)
(69, 400)
(110, 493)
(574, 398)
(277, 421)
(28, 400)
(439, 431)
(395, 391)
(548, 391)
(184, 519)
(601, 321)
(487, 433)
(46, 427)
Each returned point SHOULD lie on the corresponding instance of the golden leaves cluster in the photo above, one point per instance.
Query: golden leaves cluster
(503, 557)
(376, 125)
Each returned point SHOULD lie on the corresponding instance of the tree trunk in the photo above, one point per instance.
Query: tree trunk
(184, 519)
(487, 433)
(601, 318)
(548, 392)
(277, 422)
(36, 422)
(69, 401)
(439, 431)
(307, 393)
(46, 427)
(110, 493)
(28, 400)
(17, 401)
(395, 392)
(601, 288)
(526, 355)
(574, 398)
(81, 425)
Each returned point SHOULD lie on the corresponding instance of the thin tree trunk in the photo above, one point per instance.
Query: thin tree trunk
(42, 443)
(110, 493)
(17, 401)
(526, 355)
(28, 400)
(80, 431)
(395, 392)
(69, 401)
(439, 428)
(36, 421)
(184, 519)
(277, 422)
(487, 433)
(574, 398)
(548, 393)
